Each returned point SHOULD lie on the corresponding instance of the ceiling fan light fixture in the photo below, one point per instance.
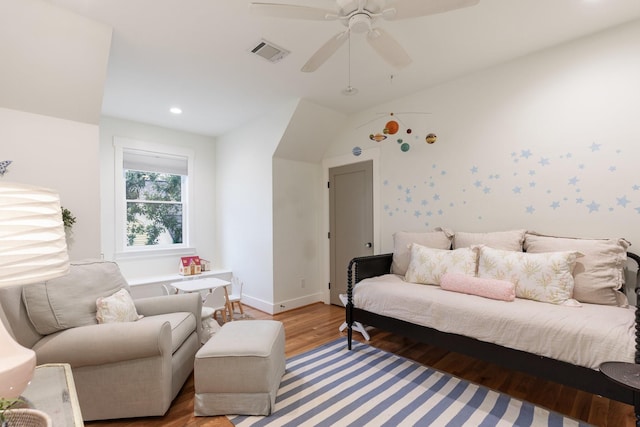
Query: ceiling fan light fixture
(360, 23)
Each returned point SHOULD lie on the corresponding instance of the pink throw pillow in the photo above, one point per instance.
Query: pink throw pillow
(488, 288)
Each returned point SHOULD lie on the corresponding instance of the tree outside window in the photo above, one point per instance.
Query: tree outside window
(154, 208)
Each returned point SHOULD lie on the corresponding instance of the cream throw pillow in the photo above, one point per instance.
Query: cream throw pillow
(545, 277)
(599, 274)
(428, 265)
(402, 240)
(510, 240)
(118, 307)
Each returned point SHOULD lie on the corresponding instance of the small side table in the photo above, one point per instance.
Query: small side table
(628, 375)
(53, 391)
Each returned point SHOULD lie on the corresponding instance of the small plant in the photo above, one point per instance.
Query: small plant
(67, 218)
(6, 404)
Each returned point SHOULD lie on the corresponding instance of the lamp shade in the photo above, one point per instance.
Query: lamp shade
(33, 246)
(33, 249)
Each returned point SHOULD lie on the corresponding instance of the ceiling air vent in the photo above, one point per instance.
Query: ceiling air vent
(269, 51)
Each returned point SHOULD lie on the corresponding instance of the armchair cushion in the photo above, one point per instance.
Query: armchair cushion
(70, 301)
(97, 345)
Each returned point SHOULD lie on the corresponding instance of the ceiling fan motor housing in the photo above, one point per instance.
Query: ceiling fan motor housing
(360, 23)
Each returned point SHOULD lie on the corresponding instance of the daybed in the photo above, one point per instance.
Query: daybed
(126, 361)
(576, 318)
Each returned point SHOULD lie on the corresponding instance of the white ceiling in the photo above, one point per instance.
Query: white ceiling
(195, 54)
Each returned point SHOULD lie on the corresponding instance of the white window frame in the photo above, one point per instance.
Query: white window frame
(122, 251)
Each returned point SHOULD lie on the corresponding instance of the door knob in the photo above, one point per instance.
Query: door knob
(368, 245)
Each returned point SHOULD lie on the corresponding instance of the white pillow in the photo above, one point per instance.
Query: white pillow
(118, 307)
(428, 265)
(545, 277)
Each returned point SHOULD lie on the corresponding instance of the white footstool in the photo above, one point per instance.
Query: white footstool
(238, 371)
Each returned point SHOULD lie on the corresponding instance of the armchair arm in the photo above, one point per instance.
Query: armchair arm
(106, 343)
(190, 302)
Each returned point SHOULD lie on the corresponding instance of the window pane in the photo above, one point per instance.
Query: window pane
(153, 186)
(154, 224)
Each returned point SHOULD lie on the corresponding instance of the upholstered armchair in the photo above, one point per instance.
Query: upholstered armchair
(131, 366)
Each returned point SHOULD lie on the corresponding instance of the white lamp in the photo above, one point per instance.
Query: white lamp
(32, 249)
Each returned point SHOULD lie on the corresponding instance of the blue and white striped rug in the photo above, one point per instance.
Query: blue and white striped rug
(332, 386)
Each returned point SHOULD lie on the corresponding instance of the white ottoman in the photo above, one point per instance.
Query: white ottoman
(238, 371)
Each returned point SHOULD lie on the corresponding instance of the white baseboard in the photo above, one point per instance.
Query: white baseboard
(281, 306)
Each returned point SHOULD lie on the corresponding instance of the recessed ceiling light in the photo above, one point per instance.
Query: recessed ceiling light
(175, 110)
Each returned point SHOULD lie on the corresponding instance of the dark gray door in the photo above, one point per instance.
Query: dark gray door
(350, 220)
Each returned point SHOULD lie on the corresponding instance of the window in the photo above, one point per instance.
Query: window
(152, 197)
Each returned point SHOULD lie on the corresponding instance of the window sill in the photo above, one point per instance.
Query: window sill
(154, 253)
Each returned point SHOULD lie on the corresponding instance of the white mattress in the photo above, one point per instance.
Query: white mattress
(585, 336)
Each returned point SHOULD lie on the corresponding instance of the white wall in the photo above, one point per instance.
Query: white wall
(54, 61)
(245, 203)
(204, 186)
(61, 155)
(548, 142)
(297, 221)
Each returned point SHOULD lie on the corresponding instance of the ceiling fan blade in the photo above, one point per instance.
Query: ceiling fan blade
(388, 48)
(413, 8)
(327, 49)
(290, 11)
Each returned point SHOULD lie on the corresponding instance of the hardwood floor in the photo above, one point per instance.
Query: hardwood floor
(316, 324)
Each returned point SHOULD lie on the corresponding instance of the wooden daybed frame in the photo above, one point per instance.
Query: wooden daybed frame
(586, 379)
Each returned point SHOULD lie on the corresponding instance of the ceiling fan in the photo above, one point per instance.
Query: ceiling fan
(359, 16)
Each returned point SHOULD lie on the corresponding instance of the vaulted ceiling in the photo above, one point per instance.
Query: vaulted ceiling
(195, 54)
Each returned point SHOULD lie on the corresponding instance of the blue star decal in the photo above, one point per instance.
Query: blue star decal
(593, 207)
(436, 197)
(474, 169)
(595, 147)
(544, 161)
(517, 190)
(622, 201)
(530, 209)
(573, 181)
(555, 205)
(579, 200)
(526, 154)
